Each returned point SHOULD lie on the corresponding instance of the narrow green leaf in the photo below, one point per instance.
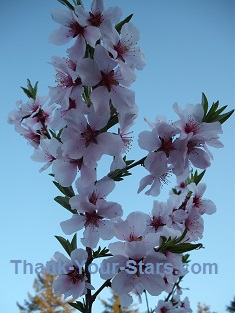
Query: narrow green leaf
(74, 242)
(29, 85)
(185, 258)
(27, 92)
(67, 191)
(198, 178)
(184, 247)
(179, 239)
(67, 4)
(64, 202)
(35, 90)
(204, 103)
(78, 305)
(126, 20)
(223, 117)
(64, 243)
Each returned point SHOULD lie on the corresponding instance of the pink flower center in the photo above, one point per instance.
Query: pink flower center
(182, 185)
(197, 201)
(92, 219)
(109, 80)
(75, 276)
(127, 140)
(134, 238)
(166, 146)
(121, 50)
(156, 222)
(90, 135)
(63, 79)
(94, 197)
(95, 19)
(164, 310)
(191, 127)
(75, 29)
(78, 162)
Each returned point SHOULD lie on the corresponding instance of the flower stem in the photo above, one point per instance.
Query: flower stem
(117, 173)
(88, 275)
(147, 302)
(107, 283)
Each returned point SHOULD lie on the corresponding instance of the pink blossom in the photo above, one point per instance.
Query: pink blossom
(96, 214)
(65, 170)
(83, 138)
(194, 224)
(73, 282)
(164, 307)
(46, 152)
(199, 204)
(98, 16)
(107, 81)
(73, 27)
(137, 278)
(123, 47)
(159, 217)
(191, 123)
(156, 164)
(68, 92)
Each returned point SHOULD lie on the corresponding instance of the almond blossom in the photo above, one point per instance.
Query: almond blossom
(108, 82)
(99, 16)
(46, 152)
(123, 47)
(83, 138)
(199, 204)
(94, 213)
(69, 86)
(72, 27)
(73, 282)
(139, 276)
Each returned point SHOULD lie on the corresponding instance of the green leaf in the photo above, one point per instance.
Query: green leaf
(27, 92)
(74, 242)
(67, 191)
(101, 253)
(223, 117)
(31, 92)
(78, 305)
(67, 4)
(197, 178)
(29, 85)
(214, 113)
(78, 2)
(64, 202)
(184, 247)
(185, 258)
(64, 243)
(204, 103)
(126, 20)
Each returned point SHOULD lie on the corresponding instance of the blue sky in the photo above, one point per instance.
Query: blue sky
(189, 49)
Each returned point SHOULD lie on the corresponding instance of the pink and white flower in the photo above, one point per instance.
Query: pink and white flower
(199, 204)
(124, 47)
(83, 138)
(107, 81)
(46, 152)
(68, 92)
(94, 213)
(73, 27)
(98, 16)
(133, 270)
(73, 281)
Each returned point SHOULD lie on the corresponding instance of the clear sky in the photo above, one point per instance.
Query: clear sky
(189, 48)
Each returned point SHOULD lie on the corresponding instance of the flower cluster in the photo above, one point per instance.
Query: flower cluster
(73, 128)
(173, 148)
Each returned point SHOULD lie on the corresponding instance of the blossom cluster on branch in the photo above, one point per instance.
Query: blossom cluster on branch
(89, 114)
